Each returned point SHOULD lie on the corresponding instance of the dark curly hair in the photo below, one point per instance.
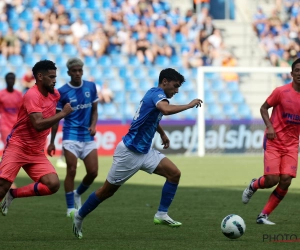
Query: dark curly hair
(43, 65)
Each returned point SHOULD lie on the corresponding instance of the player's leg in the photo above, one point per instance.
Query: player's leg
(90, 159)
(71, 151)
(167, 169)
(125, 164)
(288, 170)
(272, 161)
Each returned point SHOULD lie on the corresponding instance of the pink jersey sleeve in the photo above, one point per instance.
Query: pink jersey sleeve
(274, 98)
(32, 102)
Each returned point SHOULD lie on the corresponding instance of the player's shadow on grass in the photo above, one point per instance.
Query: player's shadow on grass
(127, 218)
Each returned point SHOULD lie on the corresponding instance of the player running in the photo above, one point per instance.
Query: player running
(281, 144)
(134, 152)
(26, 142)
(79, 130)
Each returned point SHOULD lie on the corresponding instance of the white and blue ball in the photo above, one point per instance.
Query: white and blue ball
(233, 226)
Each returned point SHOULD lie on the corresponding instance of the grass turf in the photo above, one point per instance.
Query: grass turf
(210, 188)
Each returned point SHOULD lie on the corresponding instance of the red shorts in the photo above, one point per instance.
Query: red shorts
(277, 162)
(35, 164)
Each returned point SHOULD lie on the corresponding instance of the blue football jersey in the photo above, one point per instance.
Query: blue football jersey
(145, 122)
(81, 98)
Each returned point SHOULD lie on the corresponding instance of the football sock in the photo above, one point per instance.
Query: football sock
(33, 189)
(167, 196)
(259, 183)
(81, 188)
(70, 200)
(90, 204)
(275, 198)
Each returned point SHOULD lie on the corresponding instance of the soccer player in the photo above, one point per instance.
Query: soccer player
(26, 142)
(134, 152)
(10, 103)
(281, 144)
(79, 130)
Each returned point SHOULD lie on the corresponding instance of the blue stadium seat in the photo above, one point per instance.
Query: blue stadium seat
(215, 111)
(14, 25)
(187, 86)
(180, 38)
(40, 49)
(135, 97)
(130, 85)
(27, 49)
(93, 4)
(104, 61)
(179, 98)
(193, 95)
(100, 112)
(96, 72)
(12, 15)
(162, 61)
(119, 97)
(63, 72)
(139, 73)
(117, 85)
(230, 111)
(26, 15)
(70, 50)
(3, 27)
(15, 60)
(3, 60)
(110, 110)
(90, 61)
(79, 4)
(224, 97)
(85, 15)
(244, 111)
(176, 61)
(209, 97)
(237, 97)
(29, 26)
(133, 61)
(232, 86)
(118, 60)
(20, 72)
(217, 85)
(206, 85)
(125, 73)
(60, 61)
(4, 70)
(99, 16)
(108, 73)
(55, 49)
(153, 72)
(29, 60)
(146, 84)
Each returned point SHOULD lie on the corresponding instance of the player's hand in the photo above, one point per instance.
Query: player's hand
(271, 135)
(67, 109)
(165, 141)
(51, 149)
(92, 131)
(195, 103)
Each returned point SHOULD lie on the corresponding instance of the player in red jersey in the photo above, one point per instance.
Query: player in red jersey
(26, 142)
(10, 103)
(281, 144)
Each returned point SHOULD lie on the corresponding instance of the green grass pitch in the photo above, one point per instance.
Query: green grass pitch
(210, 188)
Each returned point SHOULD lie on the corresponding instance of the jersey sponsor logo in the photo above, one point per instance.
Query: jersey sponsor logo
(161, 96)
(291, 116)
(73, 100)
(87, 94)
(82, 106)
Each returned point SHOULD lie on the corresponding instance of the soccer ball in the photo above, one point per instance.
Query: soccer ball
(233, 226)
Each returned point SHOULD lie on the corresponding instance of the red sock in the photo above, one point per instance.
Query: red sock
(259, 183)
(275, 198)
(33, 189)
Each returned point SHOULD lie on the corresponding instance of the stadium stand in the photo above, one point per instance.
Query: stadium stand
(119, 41)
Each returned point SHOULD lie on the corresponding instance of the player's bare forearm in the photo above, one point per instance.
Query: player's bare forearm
(265, 114)
(40, 124)
(167, 109)
(53, 132)
(160, 130)
(94, 117)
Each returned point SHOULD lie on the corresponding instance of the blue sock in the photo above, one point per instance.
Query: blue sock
(70, 200)
(90, 204)
(168, 193)
(81, 189)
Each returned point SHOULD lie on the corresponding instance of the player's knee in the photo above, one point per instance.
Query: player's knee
(71, 171)
(4, 187)
(285, 181)
(175, 176)
(93, 174)
(53, 186)
(271, 181)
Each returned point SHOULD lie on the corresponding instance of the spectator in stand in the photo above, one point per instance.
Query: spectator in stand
(11, 44)
(229, 61)
(79, 30)
(28, 80)
(161, 46)
(143, 48)
(99, 43)
(105, 94)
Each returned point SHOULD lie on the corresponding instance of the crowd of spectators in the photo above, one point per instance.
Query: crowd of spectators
(142, 28)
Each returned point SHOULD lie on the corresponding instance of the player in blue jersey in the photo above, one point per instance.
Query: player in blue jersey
(78, 132)
(134, 152)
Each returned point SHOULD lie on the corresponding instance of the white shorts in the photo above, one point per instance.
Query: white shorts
(79, 149)
(126, 163)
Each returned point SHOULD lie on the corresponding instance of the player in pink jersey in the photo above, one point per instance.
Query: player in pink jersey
(26, 142)
(281, 144)
(10, 102)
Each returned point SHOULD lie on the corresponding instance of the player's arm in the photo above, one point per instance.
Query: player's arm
(163, 136)
(51, 146)
(94, 118)
(168, 109)
(40, 124)
(265, 116)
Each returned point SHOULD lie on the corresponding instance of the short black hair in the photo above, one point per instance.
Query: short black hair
(170, 74)
(295, 63)
(43, 65)
(10, 74)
